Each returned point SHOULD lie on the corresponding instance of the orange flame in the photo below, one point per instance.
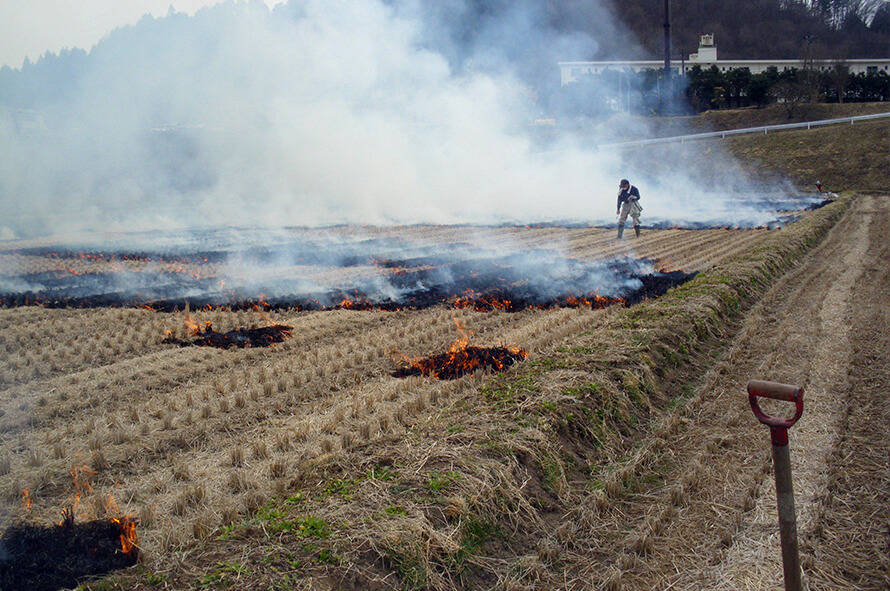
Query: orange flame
(191, 327)
(126, 525)
(464, 339)
(481, 303)
(80, 480)
(81, 477)
(461, 358)
(666, 266)
(128, 534)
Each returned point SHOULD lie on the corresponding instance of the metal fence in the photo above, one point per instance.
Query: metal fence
(723, 134)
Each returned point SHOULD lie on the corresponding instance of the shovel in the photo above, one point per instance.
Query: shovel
(778, 429)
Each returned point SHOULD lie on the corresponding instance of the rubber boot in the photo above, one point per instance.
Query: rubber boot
(637, 230)
(620, 231)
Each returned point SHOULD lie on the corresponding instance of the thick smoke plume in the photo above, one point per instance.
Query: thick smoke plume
(322, 112)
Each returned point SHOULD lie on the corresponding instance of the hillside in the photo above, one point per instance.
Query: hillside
(843, 157)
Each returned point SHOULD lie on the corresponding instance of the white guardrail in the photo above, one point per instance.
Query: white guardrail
(723, 134)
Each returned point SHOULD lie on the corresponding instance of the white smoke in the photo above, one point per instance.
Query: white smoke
(317, 112)
(237, 268)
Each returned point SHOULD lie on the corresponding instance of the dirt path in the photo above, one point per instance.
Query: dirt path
(823, 327)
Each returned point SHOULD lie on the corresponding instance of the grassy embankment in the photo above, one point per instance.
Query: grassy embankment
(844, 157)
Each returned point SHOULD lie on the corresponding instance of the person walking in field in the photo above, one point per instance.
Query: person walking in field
(628, 204)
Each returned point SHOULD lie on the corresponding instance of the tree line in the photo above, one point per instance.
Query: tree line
(713, 89)
(700, 89)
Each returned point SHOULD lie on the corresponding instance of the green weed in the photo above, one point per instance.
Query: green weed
(327, 556)
(406, 559)
(552, 472)
(103, 585)
(341, 486)
(295, 499)
(227, 532)
(582, 350)
(152, 579)
(439, 481)
(474, 534)
(383, 473)
(315, 527)
(585, 390)
(224, 574)
(509, 390)
(283, 584)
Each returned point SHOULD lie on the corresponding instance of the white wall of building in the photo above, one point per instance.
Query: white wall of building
(707, 57)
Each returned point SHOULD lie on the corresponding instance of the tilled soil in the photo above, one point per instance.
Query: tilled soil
(823, 327)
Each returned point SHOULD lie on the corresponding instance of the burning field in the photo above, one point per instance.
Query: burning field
(311, 273)
(54, 557)
(207, 389)
(423, 407)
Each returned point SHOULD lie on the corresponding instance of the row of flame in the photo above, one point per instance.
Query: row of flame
(457, 357)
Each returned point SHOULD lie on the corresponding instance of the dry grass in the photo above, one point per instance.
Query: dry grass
(845, 158)
(842, 157)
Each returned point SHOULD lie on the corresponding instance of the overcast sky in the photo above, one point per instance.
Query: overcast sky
(30, 28)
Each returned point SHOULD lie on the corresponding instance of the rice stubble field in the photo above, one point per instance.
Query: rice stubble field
(620, 454)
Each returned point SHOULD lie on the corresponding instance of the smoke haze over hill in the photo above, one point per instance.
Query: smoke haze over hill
(317, 113)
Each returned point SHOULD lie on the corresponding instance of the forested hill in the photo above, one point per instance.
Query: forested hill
(774, 29)
(751, 29)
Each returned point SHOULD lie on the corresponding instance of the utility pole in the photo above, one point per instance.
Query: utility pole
(668, 87)
(667, 39)
(810, 73)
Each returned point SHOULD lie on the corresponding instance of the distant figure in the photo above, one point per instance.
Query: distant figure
(828, 194)
(628, 204)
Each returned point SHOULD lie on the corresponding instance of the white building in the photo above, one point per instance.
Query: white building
(707, 57)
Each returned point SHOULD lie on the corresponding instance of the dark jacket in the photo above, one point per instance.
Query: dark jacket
(629, 194)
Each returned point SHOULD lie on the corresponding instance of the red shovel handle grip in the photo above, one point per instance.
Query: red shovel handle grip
(759, 388)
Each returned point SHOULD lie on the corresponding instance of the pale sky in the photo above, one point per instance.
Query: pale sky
(30, 28)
